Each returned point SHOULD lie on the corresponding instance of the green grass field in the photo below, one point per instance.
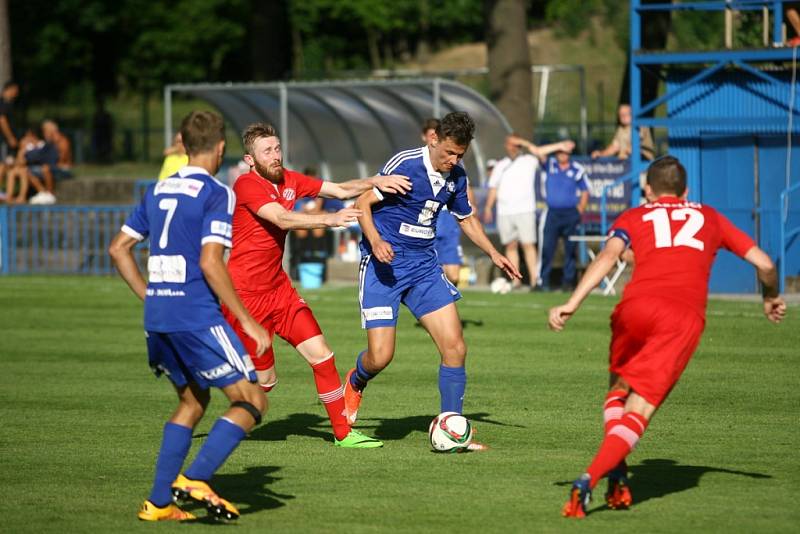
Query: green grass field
(82, 415)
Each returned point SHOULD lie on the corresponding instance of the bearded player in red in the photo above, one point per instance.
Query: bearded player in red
(657, 324)
(265, 198)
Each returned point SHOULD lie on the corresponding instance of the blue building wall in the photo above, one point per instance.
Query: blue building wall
(730, 132)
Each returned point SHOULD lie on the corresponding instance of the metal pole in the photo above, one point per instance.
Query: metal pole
(167, 116)
(584, 113)
(777, 22)
(544, 83)
(437, 98)
(284, 129)
(636, 99)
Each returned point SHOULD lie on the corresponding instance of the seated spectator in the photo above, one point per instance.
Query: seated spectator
(49, 174)
(621, 144)
(33, 153)
(175, 158)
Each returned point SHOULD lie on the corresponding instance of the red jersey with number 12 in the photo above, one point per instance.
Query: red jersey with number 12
(674, 243)
(256, 261)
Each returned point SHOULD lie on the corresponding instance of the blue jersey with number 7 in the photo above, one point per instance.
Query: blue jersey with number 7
(180, 215)
(408, 221)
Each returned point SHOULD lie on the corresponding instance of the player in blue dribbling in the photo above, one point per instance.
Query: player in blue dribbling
(399, 263)
(448, 232)
(188, 219)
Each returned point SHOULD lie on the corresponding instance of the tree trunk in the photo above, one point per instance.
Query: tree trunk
(6, 70)
(270, 40)
(510, 85)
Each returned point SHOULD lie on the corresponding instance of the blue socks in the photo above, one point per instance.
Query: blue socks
(223, 438)
(175, 446)
(360, 378)
(452, 384)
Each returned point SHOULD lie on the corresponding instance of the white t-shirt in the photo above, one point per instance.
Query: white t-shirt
(514, 181)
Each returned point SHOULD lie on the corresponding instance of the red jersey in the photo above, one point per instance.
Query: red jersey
(256, 261)
(675, 242)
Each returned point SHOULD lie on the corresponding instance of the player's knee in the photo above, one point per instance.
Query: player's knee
(377, 360)
(191, 410)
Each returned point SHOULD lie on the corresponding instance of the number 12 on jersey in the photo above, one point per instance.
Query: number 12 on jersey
(685, 237)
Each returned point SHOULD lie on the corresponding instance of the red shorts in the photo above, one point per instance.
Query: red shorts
(652, 341)
(280, 311)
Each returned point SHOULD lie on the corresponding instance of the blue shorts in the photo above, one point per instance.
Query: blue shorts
(209, 357)
(415, 279)
(448, 240)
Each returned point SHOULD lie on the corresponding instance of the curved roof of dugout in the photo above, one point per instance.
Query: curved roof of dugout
(351, 128)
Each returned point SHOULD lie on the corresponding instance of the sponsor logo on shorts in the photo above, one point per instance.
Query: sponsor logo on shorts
(217, 372)
(373, 314)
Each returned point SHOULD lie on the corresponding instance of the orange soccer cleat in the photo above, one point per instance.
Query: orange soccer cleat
(150, 512)
(618, 496)
(352, 399)
(184, 489)
(579, 497)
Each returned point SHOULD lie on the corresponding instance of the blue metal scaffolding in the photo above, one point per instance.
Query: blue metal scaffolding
(715, 72)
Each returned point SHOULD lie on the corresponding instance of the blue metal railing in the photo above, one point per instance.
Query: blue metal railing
(787, 236)
(59, 239)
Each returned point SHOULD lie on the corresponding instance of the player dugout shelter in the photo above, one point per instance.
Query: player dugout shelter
(351, 128)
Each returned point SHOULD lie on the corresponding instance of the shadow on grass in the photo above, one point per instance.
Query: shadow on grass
(395, 429)
(296, 424)
(464, 323)
(248, 491)
(656, 478)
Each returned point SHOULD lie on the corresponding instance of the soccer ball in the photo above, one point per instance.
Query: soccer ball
(450, 432)
(500, 285)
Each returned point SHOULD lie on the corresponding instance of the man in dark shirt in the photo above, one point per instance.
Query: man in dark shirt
(8, 139)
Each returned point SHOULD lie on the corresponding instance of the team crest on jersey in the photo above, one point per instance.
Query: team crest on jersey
(288, 194)
(451, 187)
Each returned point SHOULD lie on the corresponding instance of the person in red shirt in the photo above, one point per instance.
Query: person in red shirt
(658, 323)
(265, 199)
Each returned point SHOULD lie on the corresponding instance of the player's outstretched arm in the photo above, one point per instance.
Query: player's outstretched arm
(380, 249)
(473, 229)
(774, 305)
(542, 151)
(121, 251)
(595, 272)
(392, 183)
(292, 220)
(212, 264)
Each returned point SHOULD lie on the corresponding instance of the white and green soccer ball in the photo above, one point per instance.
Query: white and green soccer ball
(500, 285)
(450, 432)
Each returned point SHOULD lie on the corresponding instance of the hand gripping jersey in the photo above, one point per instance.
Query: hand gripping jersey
(408, 222)
(181, 214)
(675, 243)
(256, 262)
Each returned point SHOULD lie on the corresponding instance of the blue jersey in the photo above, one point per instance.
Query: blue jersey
(181, 214)
(408, 221)
(562, 185)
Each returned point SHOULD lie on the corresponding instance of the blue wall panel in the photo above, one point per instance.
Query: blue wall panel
(726, 122)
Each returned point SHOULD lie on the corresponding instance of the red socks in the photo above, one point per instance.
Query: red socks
(617, 444)
(329, 388)
(613, 408)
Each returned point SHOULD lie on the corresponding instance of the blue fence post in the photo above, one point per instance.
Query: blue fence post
(4, 240)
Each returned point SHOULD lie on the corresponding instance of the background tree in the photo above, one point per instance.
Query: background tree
(6, 69)
(510, 84)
